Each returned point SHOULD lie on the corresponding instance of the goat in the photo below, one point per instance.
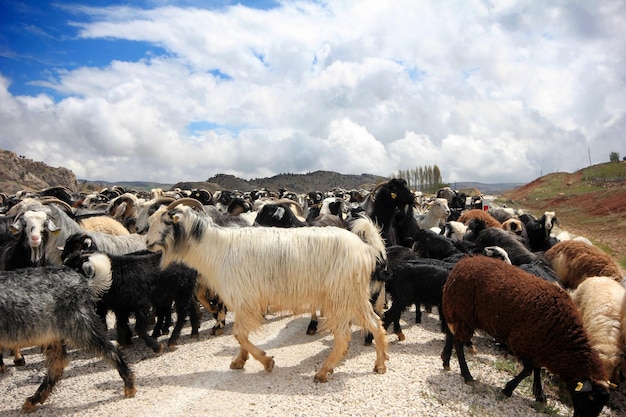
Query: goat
(138, 285)
(294, 269)
(436, 215)
(538, 230)
(51, 306)
(388, 206)
(59, 226)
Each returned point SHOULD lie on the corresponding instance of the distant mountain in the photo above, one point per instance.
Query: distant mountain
(19, 173)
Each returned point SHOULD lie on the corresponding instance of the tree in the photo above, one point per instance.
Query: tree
(614, 157)
(424, 178)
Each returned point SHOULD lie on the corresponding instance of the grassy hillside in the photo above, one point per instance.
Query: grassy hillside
(590, 202)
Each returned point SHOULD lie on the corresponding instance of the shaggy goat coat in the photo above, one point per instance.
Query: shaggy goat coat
(51, 307)
(291, 269)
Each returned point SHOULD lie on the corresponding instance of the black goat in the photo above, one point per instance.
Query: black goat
(428, 244)
(390, 205)
(139, 284)
(538, 231)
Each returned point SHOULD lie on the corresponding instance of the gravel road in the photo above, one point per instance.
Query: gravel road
(195, 379)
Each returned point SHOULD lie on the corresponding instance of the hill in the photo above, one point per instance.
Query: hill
(590, 202)
(19, 173)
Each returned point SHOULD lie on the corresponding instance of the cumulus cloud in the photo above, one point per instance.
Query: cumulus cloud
(488, 92)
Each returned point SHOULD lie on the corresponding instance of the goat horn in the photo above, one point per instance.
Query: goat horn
(192, 202)
(54, 200)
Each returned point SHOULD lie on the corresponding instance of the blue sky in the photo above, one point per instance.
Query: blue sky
(182, 90)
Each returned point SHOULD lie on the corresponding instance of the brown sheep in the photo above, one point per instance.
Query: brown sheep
(469, 215)
(537, 321)
(574, 261)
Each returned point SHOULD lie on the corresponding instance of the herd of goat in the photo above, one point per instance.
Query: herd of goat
(353, 258)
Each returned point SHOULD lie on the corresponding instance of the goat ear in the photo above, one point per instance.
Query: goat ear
(17, 227)
(88, 269)
(175, 217)
(52, 227)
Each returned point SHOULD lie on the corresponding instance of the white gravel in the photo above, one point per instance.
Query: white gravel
(195, 379)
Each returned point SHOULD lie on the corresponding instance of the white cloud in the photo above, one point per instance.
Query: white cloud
(488, 92)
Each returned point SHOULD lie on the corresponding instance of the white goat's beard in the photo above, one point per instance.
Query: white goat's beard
(36, 253)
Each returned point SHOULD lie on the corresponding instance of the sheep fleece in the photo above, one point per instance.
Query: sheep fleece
(535, 318)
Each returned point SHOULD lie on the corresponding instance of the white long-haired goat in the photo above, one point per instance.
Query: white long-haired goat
(290, 269)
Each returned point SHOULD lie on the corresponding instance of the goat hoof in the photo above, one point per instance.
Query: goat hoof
(470, 382)
(158, 348)
(129, 392)
(19, 362)
(321, 377)
(269, 364)
(29, 406)
(237, 364)
(401, 336)
(380, 369)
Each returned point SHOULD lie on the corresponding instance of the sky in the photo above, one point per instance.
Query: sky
(166, 91)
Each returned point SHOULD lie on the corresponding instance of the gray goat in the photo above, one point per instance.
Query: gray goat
(53, 306)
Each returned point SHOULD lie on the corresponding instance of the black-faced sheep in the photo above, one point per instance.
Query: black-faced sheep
(290, 269)
(574, 261)
(600, 301)
(51, 306)
(538, 322)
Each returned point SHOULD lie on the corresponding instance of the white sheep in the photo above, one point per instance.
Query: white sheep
(290, 269)
(599, 300)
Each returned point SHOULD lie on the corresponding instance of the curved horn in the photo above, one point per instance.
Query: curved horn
(289, 201)
(54, 200)
(164, 200)
(192, 202)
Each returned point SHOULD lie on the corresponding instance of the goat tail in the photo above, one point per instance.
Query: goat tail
(98, 270)
(369, 233)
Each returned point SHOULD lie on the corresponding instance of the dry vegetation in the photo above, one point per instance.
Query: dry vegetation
(590, 202)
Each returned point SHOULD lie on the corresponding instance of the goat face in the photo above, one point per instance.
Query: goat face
(400, 192)
(548, 220)
(35, 225)
(171, 230)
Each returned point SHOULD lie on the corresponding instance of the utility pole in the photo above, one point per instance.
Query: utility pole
(589, 152)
